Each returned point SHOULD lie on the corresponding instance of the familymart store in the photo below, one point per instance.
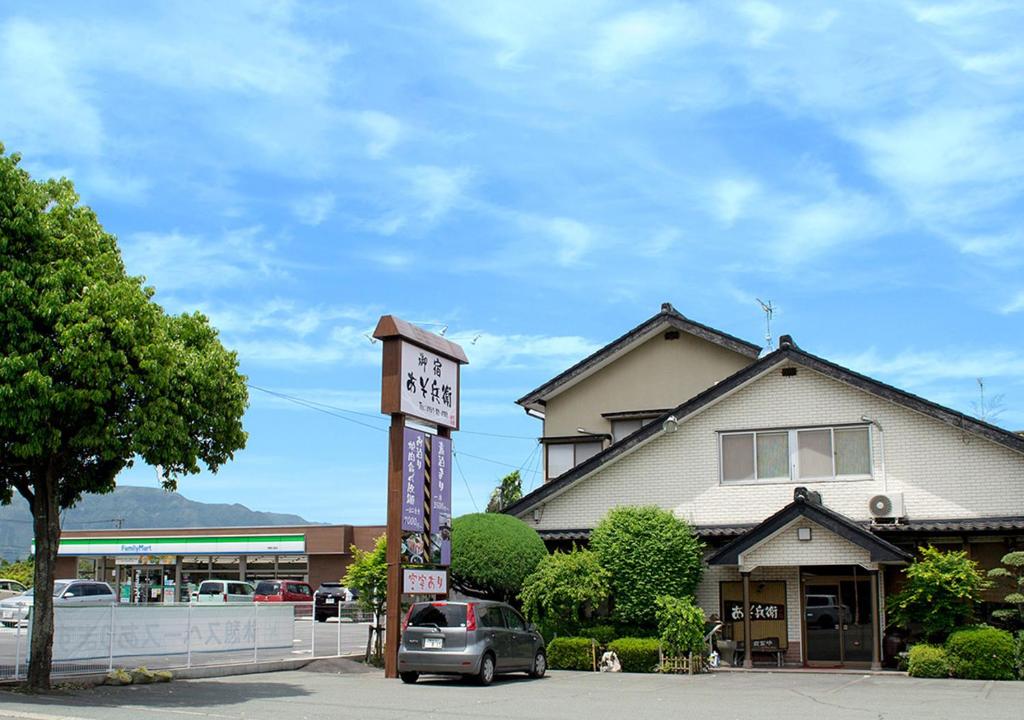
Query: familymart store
(166, 565)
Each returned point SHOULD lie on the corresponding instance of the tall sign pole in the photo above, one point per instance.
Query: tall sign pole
(420, 381)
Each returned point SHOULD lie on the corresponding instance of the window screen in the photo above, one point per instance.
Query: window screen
(772, 455)
(560, 459)
(853, 454)
(815, 453)
(738, 457)
(622, 428)
(585, 451)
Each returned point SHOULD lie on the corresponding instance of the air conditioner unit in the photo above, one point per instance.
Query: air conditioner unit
(888, 507)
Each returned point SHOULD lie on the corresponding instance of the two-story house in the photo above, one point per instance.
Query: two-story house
(811, 485)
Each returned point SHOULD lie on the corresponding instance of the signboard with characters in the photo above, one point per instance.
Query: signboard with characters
(430, 387)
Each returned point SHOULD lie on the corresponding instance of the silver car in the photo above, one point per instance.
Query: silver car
(478, 639)
(65, 592)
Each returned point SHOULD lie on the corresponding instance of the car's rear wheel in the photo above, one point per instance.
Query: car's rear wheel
(540, 665)
(486, 674)
(409, 677)
(321, 618)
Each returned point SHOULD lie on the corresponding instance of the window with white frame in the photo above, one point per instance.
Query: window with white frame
(628, 426)
(563, 457)
(804, 454)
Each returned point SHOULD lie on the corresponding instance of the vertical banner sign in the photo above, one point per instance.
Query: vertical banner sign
(441, 501)
(412, 485)
(430, 387)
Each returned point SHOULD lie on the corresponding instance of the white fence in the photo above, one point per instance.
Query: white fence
(99, 638)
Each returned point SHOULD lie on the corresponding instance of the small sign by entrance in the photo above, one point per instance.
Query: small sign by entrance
(424, 582)
(768, 627)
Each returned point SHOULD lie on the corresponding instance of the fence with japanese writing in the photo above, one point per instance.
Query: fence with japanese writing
(98, 638)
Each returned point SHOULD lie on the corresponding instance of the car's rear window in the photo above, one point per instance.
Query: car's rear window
(430, 615)
(268, 588)
(211, 588)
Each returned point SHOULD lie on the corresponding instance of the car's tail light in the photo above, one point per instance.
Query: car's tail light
(405, 620)
(470, 617)
(225, 597)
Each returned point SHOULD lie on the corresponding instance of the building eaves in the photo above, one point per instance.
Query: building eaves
(787, 352)
(669, 317)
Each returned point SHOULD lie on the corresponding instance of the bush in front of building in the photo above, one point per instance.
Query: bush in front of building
(680, 625)
(493, 554)
(571, 653)
(981, 653)
(563, 589)
(928, 661)
(1018, 654)
(649, 552)
(639, 655)
(940, 593)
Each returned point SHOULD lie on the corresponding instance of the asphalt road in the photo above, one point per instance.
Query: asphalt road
(352, 640)
(722, 696)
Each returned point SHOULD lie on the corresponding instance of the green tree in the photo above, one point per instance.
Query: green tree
(20, 570)
(1012, 573)
(510, 490)
(563, 588)
(649, 553)
(93, 374)
(367, 575)
(680, 625)
(492, 554)
(941, 591)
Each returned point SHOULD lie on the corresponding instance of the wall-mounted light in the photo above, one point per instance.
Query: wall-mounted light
(538, 513)
(670, 425)
(803, 534)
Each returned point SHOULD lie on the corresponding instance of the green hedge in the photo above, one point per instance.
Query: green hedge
(570, 653)
(1018, 654)
(601, 634)
(928, 661)
(983, 653)
(636, 654)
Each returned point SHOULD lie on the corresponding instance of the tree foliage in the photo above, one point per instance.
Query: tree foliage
(940, 593)
(367, 575)
(680, 625)
(563, 588)
(649, 553)
(1011, 572)
(509, 490)
(93, 373)
(492, 555)
(21, 570)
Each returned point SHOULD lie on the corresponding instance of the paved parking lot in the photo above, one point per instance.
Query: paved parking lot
(720, 696)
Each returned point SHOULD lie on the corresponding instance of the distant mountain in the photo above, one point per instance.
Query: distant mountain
(137, 507)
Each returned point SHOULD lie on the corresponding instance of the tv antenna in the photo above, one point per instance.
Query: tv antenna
(769, 310)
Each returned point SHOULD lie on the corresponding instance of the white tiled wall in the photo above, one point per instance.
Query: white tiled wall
(942, 471)
(824, 548)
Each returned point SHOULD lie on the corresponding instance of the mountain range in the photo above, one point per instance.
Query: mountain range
(132, 507)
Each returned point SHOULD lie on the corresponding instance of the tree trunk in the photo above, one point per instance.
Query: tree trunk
(46, 522)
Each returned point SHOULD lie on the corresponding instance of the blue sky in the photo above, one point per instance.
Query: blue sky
(539, 177)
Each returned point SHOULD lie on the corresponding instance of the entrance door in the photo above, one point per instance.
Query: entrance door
(856, 599)
(823, 623)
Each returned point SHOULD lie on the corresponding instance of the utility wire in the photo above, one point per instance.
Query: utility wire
(496, 462)
(316, 406)
(466, 483)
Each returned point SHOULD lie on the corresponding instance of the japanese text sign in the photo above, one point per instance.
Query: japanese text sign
(424, 582)
(413, 448)
(429, 386)
(441, 501)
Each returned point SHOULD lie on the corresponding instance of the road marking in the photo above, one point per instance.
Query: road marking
(20, 715)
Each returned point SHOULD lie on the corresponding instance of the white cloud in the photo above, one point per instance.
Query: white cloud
(1015, 305)
(313, 210)
(731, 196)
(505, 352)
(809, 228)
(174, 261)
(634, 36)
(383, 132)
(46, 104)
(436, 190)
(765, 20)
(915, 369)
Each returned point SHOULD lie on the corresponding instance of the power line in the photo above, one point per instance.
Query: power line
(496, 462)
(315, 406)
(466, 483)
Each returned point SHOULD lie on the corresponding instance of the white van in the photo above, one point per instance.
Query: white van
(225, 591)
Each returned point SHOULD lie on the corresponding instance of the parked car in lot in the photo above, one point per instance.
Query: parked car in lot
(825, 612)
(225, 591)
(10, 588)
(329, 598)
(283, 591)
(478, 639)
(65, 592)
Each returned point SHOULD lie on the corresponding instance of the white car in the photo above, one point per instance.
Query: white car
(225, 591)
(10, 588)
(65, 592)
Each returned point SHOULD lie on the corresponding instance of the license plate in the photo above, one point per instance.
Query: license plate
(8, 613)
(329, 601)
(432, 643)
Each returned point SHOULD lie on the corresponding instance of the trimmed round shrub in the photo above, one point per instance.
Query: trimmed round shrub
(928, 661)
(601, 634)
(492, 554)
(983, 653)
(571, 653)
(649, 553)
(639, 655)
